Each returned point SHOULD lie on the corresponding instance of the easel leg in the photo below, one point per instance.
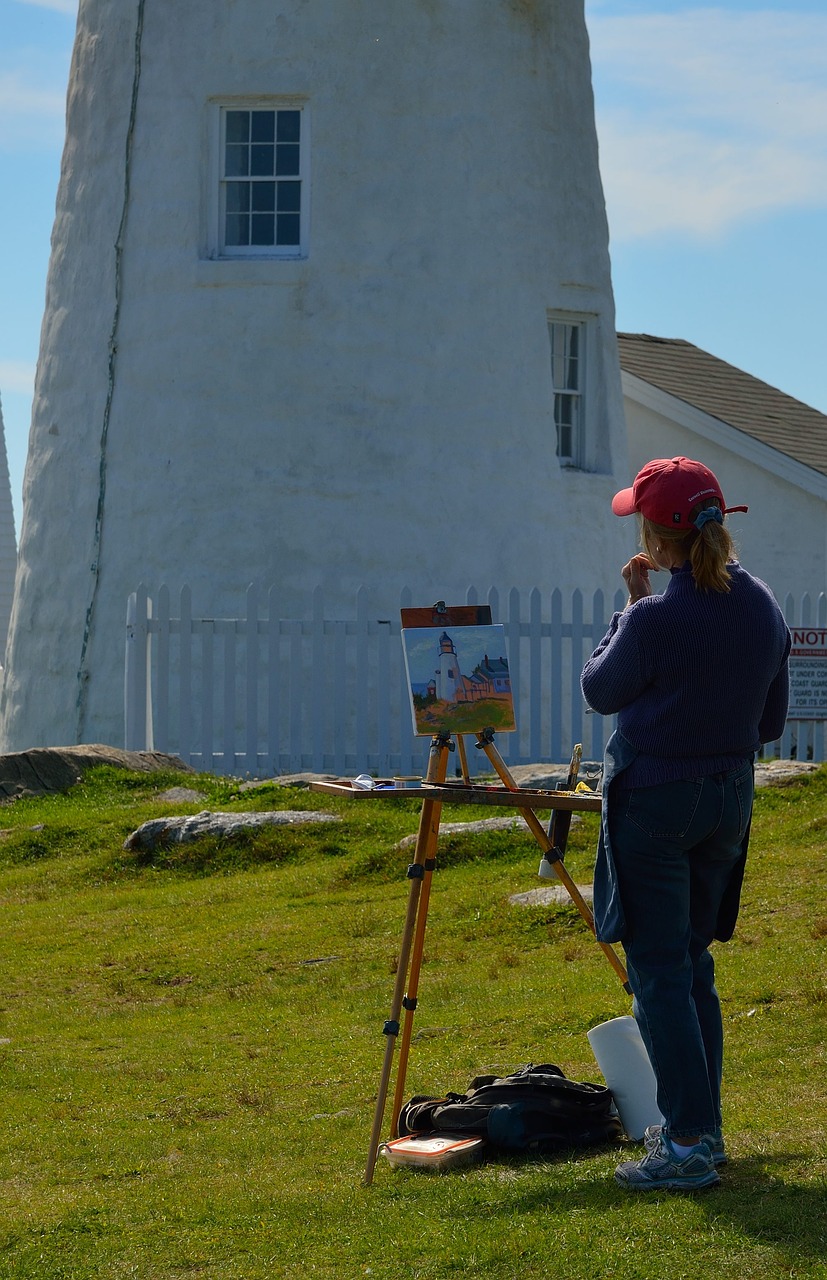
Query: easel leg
(536, 827)
(463, 760)
(425, 845)
(409, 1002)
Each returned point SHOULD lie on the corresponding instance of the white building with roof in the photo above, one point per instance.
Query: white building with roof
(767, 449)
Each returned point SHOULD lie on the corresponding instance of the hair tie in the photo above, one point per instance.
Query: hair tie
(708, 513)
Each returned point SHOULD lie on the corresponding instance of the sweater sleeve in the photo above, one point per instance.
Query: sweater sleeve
(613, 676)
(774, 715)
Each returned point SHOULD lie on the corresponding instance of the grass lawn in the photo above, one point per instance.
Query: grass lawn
(191, 1045)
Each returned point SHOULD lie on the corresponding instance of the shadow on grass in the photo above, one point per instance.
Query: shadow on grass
(754, 1197)
(757, 1198)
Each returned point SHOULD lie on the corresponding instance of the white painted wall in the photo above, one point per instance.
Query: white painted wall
(8, 544)
(783, 538)
(377, 413)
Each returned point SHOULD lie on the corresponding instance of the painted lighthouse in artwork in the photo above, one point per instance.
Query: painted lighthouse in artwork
(448, 683)
(329, 304)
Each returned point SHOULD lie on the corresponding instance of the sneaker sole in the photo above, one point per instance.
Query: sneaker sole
(702, 1183)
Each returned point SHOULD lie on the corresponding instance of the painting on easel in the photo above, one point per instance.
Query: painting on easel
(458, 679)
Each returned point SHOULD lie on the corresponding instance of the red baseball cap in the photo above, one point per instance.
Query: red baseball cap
(666, 490)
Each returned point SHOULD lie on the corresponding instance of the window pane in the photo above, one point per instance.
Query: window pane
(263, 126)
(262, 228)
(287, 228)
(287, 158)
(290, 197)
(237, 229)
(264, 196)
(238, 197)
(566, 417)
(238, 126)
(237, 160)
(572, 377)
(288, 127)
(565, 366)
(261, 159)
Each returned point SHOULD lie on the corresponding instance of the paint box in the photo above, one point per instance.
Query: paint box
(433, 1151)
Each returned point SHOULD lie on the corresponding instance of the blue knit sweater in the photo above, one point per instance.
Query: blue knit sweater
(699, 679)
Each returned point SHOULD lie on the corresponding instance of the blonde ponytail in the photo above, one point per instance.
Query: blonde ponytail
(708, 549)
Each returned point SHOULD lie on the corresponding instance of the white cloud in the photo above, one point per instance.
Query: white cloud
(708, 118)
(31, 112)
(16, 376)
(59, 6)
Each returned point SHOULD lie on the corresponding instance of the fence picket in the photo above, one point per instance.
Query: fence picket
(251, 679)
(556, 657)
(228, 717)
(274, 674)
(362, 675)
(185, 693)
(320, 677)
(162, 646)
(295, 689)
(577, 659)
(208, 761)
(535, 670)
(383, 707)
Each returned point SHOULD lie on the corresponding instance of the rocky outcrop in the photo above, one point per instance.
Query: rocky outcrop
(44, 770)
(163, 832)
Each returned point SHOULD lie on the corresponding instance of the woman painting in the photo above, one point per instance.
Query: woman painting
(698, 678)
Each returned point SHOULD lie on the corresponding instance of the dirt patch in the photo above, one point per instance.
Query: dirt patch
(48, 770)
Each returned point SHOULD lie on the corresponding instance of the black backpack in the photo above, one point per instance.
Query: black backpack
(536, 1109)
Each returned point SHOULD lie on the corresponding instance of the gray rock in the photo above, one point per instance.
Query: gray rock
(45, 770)
(160, 832)
(515, 823)
(547, 777)
(289, 780)
(769, 773)
(550, 895)
(180, 795)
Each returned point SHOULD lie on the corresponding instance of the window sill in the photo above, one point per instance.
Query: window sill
(250, 271)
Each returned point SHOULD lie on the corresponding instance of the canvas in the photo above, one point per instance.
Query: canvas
(458, 679)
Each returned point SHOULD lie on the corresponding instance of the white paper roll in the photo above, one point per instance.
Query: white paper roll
(621, 1056)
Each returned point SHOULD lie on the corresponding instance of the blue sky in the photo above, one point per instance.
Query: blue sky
(712, 122)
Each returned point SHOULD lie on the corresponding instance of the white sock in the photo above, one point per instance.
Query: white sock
(682, 1151)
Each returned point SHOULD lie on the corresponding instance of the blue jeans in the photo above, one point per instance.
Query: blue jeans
(675, 847)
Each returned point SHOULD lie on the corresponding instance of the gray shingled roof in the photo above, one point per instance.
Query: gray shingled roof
(729, 394)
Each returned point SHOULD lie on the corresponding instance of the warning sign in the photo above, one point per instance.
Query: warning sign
(808, 674)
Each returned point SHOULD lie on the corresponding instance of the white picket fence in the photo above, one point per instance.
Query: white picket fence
(263, 695)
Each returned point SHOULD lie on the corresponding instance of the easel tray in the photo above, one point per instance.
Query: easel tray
(465, 793)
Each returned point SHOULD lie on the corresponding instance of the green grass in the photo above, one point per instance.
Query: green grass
(190, 1047)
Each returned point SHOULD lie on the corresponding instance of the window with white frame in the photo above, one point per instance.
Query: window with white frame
(567, 336)
(262, 206)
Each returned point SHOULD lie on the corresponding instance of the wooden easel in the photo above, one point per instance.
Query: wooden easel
(435, 791)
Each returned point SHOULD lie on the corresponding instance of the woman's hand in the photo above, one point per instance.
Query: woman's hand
(636, 576)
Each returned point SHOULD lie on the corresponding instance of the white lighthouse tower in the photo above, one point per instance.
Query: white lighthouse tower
(329, 303)
(448, 674)
(8, 545)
